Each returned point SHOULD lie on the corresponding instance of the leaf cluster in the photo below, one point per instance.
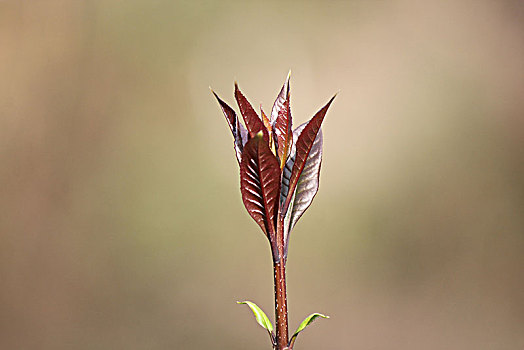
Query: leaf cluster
(279, 166)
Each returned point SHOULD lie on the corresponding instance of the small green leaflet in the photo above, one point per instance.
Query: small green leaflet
(259, 315)
(303, 326)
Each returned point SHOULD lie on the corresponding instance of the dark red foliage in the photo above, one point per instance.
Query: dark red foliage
(253, 122)
(303, 146)
(264, 159)
(260, 184)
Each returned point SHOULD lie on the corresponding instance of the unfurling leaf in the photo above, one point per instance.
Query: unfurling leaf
(303, 146)
(260, 316)
(267, 125)
(260, 185)
(266, 121)
(307, 185)
(253, 123)
(281, 121)
(307, 321)
(237, 129)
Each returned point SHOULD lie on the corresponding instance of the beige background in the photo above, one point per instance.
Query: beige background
(121, 223)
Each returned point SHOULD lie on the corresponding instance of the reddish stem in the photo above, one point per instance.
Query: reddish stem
(281, 304)
(279, 266)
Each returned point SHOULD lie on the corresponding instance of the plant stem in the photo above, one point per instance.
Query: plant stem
(279, 267)
(281, 304)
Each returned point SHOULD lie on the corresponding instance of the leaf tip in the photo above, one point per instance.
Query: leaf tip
(214, 93)
(333, 98)
(287, 85)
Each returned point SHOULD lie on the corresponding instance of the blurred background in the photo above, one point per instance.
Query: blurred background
(121, 221)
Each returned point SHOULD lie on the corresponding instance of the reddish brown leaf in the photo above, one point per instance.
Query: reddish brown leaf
(307, 185)
(251, 118)
(303, 147)
(260, 185)
(281, 121)
(237, 129)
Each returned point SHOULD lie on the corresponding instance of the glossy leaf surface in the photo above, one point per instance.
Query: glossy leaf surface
(307, 321)
(253, 122)
(260, 184)
(237, 129)
(260, 316)
(307, 186)
(281, 121)
(303, 147)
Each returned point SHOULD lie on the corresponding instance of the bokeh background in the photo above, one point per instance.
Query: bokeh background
(121, 222)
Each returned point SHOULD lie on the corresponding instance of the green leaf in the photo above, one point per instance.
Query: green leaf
(303, 326)
(259, 315)
(307, 322)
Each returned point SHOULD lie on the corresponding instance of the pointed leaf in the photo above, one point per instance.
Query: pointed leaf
(265, 120)
(307, 186)
(303, 147)
(260, 316)
(286, 171)
(267, 125)
(251, 118)
(281, 121)
(308, 320)
(260, 184)
(237, 129)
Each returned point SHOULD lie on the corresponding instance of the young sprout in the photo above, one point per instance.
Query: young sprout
(279, 177)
